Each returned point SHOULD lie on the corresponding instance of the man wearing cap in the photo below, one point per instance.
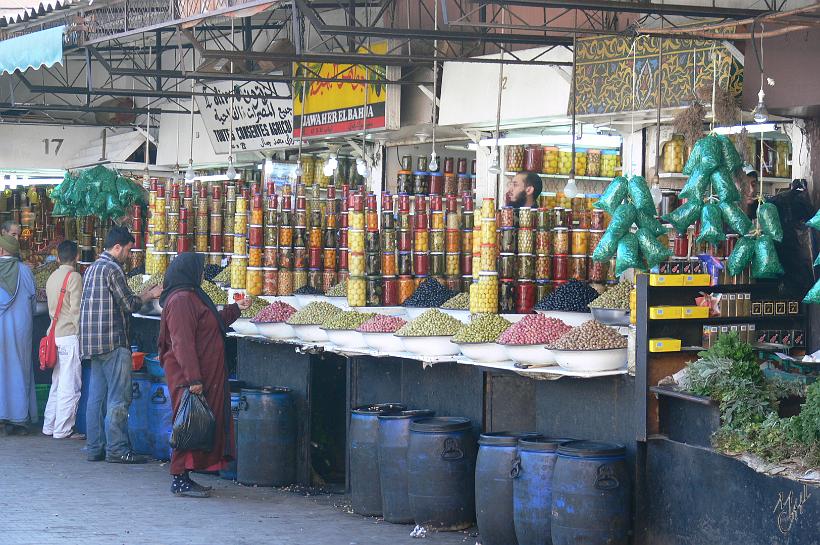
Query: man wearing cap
(749, 188)
(18, 403)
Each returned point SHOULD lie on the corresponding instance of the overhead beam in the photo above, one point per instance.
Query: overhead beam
(639, 7)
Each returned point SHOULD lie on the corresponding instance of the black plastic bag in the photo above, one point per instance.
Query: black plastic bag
(194, 424)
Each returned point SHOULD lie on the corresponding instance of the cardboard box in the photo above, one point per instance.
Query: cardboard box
(664, 344)
(697, 280)
(661, 280)
(694, 312)
(664, 313)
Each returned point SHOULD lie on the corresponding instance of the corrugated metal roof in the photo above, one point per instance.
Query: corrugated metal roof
(21, 11)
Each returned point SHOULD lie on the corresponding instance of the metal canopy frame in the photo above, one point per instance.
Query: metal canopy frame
(154, 51)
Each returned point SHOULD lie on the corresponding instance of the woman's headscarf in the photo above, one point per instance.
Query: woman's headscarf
(185, 273)
(9, 267)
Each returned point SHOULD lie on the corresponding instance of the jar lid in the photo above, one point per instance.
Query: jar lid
(487, 273)
(255, 269)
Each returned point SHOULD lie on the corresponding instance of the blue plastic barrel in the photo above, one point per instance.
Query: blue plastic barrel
(532, 489)
(494, 486)
(79, 421)
(230, 471)
(267, 437)
(365, 484)
(160, 420)
(394, 438)
(441, 472)
(591, 494)
(139, 431)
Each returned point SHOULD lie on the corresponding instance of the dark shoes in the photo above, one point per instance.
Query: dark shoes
(183, 486)
(127, 458)
(15, 429)
(96, 457)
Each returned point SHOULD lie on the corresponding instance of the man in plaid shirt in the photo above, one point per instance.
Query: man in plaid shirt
(106, 305)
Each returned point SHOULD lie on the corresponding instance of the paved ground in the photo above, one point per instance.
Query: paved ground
(50, 495)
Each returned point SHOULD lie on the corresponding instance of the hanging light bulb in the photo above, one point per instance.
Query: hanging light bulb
(189, 172)
(571, 189)
(332, 162)
(433, 162)
(495, 166)
(655, 191)
(760, 113)
(361, 167)
(231, 172)
(298, 172)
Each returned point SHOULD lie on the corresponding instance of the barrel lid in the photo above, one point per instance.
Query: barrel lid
(505, 438)
(438, 424)
(414, 413)
(591, 449)
(541, 443)
(379, 408)
(266, 390)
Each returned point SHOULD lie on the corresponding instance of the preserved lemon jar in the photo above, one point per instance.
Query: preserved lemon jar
(673, 154)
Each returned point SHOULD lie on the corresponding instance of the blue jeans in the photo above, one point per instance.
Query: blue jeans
(109, 397)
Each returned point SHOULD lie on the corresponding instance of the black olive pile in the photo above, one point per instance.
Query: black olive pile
(430, 293)
(211, 271)
(573, 296)
(308, 290)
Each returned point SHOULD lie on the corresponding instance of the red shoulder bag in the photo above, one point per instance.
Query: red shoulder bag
(48, 345)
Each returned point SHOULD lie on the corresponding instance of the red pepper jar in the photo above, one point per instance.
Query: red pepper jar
(524, 297)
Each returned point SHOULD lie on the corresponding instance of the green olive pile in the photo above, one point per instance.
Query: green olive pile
(432, 323)
(314, 314)
(257, 304)
(224, 276)
(42, 273)
(217, 294)
(136, 284)
(459, 302)
(339, 290)
(485, 328)
(347, 320)
(592, 335)
(615, 297)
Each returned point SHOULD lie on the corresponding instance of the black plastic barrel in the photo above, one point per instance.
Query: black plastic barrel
(532, 489)
(441, 472)
(394, 439)
(365, 491)
(591, 494)
(266, 437)
(229, 472)
(494, 486)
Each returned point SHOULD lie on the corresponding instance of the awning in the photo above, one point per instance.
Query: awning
(41, 48)
(117, 149)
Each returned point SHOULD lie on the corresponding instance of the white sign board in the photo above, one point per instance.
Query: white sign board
(262, 115)
(43, 146)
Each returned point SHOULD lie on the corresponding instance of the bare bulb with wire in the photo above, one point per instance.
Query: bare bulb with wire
(231, 172)
(760, 113)
(361, 167)
(657, 194)
(189, 172)
(433, 164)
(495, 165)
(298, 172)
(571, 188)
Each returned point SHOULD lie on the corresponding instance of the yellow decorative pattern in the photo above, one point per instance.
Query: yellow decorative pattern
(606, 66)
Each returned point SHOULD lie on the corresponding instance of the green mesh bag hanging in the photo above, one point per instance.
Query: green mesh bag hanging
(614, 195)
(769, 220)
(711, 153)
(649, 221)
(817, 261)
(694, 159)
(711, 225)
(629, 254)
(813, 296)
(684, 216)
(765, 263)
(741, 256)
(696, 185)
(606, 247)
(622, 219)
(640, 195)
(724, 186)
(731, 158)
(735, 218)
(814, 222)
(653, 251)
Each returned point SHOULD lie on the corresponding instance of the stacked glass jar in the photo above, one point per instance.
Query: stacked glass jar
(356, 283)
(300, 240)
(543, 253)
(239, 260)
(404, 247)
(329, 240)
(389, 259)
(270, 239)
(421, 240)
(285, 244)
(157, 253)
(343, 243)
(468, 222)
(452, 245)
(525, 290)
(484, 293)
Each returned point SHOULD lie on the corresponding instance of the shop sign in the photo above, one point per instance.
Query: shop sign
(338, 107)
(609, 67)
(262, 115)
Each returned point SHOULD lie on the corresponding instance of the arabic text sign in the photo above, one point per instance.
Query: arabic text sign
(262, 116)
